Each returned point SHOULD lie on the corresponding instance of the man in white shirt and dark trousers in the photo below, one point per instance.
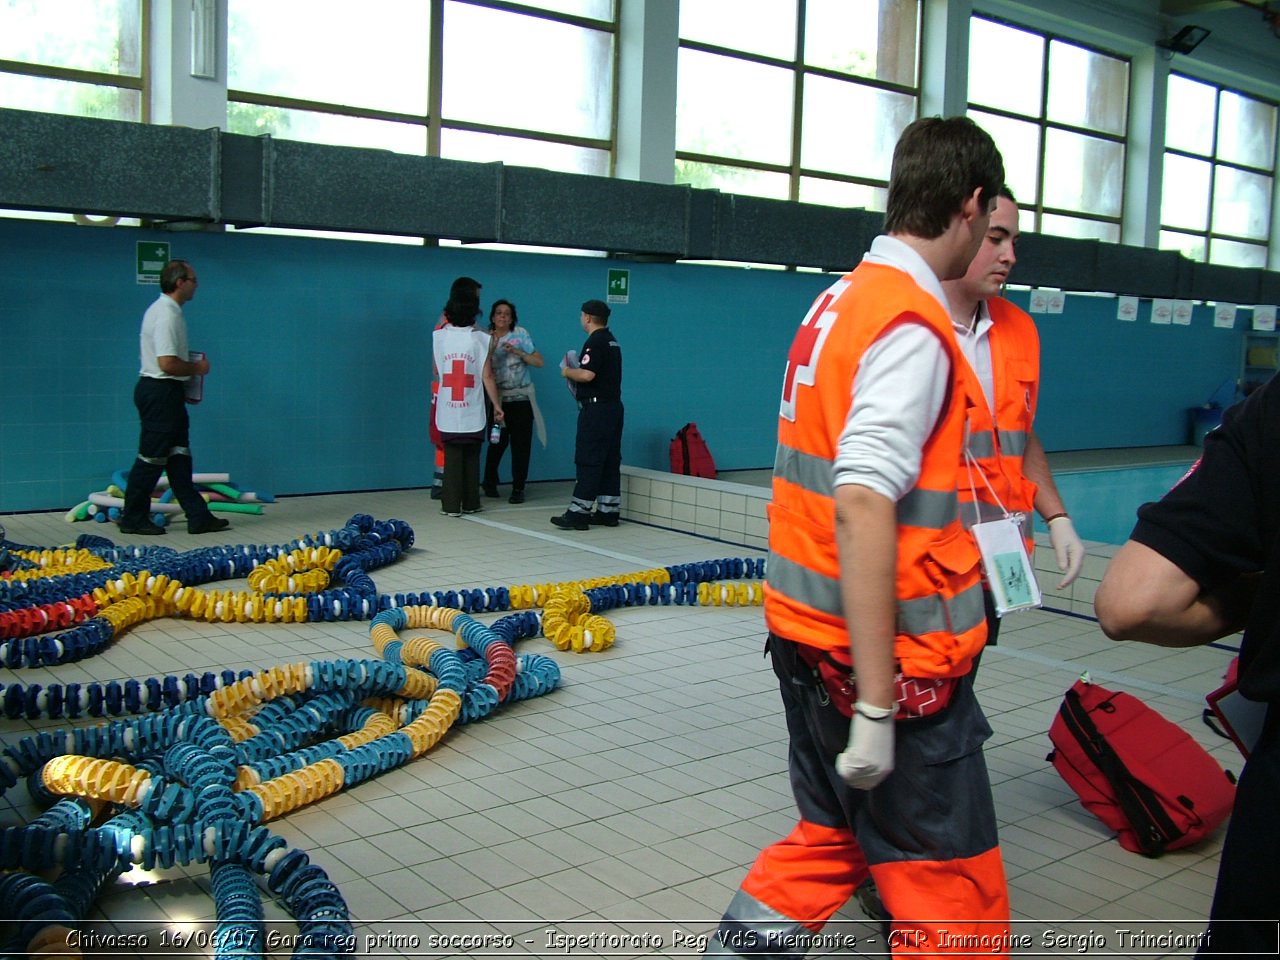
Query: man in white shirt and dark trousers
(160, 396)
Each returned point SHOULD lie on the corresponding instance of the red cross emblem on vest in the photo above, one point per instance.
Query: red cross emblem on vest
(457, 380)
(802, 358)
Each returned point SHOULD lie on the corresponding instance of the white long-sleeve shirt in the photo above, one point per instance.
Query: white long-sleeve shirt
(899, 391)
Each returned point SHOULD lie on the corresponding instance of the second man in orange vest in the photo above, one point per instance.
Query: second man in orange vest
(1002, 347)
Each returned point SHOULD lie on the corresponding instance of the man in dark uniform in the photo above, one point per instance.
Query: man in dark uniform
(1202, 563)
(597, 382)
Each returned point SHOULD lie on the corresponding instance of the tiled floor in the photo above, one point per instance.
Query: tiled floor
(632, 799)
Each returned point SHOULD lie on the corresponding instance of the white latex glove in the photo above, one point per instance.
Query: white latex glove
(1068, 550)
(868, 758)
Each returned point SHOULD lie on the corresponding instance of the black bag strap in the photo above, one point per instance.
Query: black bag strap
(1207, 716)
(1142, 808)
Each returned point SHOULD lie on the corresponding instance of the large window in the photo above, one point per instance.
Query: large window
(78, 57)
(795, 99)
(1058, 111)
(1219, 170)
(528, 83)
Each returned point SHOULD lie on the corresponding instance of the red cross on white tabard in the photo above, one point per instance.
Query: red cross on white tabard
(803, 355)
(457, 380)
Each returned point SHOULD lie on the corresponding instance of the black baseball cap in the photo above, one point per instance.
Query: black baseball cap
(597, 308)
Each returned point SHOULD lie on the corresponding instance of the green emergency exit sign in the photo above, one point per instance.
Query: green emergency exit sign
(152, 256)
(619, 287)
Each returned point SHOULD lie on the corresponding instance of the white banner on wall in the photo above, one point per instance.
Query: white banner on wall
(1182, 310)
(1161, 311)
(1127, 308)
(1224, 315)
(1264, 318)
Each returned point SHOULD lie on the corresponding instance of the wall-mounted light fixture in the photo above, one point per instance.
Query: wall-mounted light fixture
(204, 39)
(1185, 40)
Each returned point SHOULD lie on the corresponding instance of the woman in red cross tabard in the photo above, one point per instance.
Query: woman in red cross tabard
(461, 358)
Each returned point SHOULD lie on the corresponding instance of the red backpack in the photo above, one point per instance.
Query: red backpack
(1140, 774)
(689, 454)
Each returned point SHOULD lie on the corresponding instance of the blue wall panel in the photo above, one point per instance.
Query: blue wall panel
(321, 358)
(1111, 383)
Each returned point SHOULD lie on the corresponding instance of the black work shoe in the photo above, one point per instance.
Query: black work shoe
(572, 520)
(868, 898)
(599, 519)
(210, 525)
(146, 529)
(517, 496)
(491, 490)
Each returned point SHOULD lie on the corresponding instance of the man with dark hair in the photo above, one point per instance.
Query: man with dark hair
(870, 570)
(1202, 563)
(1011, 473)
(597, 453)
(160, 396)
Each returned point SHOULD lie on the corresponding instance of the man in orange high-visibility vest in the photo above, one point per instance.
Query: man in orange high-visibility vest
(1000, 343)
(870, 567)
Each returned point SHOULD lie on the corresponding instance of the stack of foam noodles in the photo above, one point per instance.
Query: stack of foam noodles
(181, 770)
(219, 492)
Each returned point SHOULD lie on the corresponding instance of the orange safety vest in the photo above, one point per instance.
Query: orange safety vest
(940, 619)
(996, 447)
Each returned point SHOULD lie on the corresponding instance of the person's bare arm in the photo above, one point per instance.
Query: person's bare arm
(532, 359)
(491, 388)
(866, 538)
(177, 367)
(1068, 548)
(1146, 597)
(1035, 466)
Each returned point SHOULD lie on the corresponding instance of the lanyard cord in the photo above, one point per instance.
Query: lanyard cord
(969, 467)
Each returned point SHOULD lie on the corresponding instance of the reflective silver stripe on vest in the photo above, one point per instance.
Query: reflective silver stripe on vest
(752, 928)
(808, 586)
(932, 509)
(1013, 443)
(804, 470)
(981, 444)
(986, 511)
(916, 617)
(933, 614)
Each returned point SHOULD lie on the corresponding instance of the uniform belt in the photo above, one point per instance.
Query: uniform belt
(597, 399)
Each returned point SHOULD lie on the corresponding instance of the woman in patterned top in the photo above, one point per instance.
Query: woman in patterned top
(513, 354)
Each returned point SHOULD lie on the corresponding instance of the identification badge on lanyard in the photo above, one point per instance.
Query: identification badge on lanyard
(1010, 575)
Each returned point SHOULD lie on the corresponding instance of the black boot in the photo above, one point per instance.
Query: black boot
(200, 518)
(136, 515)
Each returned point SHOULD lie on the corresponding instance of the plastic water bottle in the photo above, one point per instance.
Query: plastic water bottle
(495, 433)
